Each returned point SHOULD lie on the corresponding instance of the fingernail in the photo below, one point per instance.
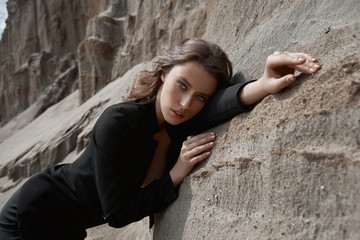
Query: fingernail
(290, 79)
(211, 143)
(315, 65)
(301, 59)
(313, 59)
(312, 70)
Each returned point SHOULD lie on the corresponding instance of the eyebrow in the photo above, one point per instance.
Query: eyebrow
(188, 83)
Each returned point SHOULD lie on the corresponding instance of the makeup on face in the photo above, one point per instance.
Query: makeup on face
(186, 89)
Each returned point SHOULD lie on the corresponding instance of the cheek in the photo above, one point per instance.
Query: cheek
(196, 107)
(170, 93)
(167, 97)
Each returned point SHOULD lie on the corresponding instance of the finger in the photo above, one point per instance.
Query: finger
(280, 59)
(278, 84)
(306, 56)
(297, 58)
(305, 63)
(200, 139)
(287, 80)
(310, 60)
(308, 67)
(200, 148)
(200, 157)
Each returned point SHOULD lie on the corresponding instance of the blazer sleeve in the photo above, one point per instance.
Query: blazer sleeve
(222, 106)
(118, 178)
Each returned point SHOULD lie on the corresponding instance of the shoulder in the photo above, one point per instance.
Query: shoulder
(122, 113)
(119, 125)
(128, 109)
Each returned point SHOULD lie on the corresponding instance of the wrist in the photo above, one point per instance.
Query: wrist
(260, 85)
(253, 92)
(175, 177)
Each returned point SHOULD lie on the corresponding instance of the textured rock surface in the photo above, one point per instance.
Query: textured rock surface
(38, 47)
(289, 169)
(100, 39)
(130, 32)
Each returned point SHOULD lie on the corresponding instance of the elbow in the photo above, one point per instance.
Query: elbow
(121, 219)
(116, 222)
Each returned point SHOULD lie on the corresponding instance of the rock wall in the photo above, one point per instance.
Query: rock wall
(289, 169)
(39, 47)
(91, 43)
(130, 32)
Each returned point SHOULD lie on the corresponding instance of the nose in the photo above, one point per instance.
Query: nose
(185, 101)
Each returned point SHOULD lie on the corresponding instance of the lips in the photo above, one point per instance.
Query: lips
(178, 114)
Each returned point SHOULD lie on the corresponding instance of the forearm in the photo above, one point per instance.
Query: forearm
(134, 205)
(279, 73)
(252, 93)
(176, 177)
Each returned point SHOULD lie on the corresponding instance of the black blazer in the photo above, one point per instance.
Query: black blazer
(104, 183)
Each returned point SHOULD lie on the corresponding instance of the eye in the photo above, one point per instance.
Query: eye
(181, 85)
(201, 98)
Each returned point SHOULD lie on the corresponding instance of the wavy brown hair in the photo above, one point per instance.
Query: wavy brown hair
(209, 55)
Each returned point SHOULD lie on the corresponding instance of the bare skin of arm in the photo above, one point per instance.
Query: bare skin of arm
(279, 73)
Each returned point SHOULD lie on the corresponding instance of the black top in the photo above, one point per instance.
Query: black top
(104, 183)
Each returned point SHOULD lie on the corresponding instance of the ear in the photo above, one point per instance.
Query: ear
(163, 76)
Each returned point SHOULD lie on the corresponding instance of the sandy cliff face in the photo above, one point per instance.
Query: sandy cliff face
(38, 52)
(130, 32)
(289, 169)
(64, 45)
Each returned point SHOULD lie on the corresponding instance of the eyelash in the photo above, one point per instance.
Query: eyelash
(183, 87)
(201, 98)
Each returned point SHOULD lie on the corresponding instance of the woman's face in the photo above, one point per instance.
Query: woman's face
(186, 89)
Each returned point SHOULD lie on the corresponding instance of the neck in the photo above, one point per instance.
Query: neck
(159, 115)
(160, 135)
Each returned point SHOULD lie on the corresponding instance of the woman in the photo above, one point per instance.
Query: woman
(138, 153)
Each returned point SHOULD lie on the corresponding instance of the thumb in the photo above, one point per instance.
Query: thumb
(288, 79)
(285, 81)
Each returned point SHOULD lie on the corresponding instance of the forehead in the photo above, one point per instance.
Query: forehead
(196, 76)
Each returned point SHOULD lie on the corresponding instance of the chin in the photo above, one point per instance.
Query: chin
(174, 122)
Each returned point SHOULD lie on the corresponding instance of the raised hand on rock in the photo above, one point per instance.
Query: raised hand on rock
(279, 73)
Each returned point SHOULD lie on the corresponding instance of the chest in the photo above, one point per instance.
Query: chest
(159, 160)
